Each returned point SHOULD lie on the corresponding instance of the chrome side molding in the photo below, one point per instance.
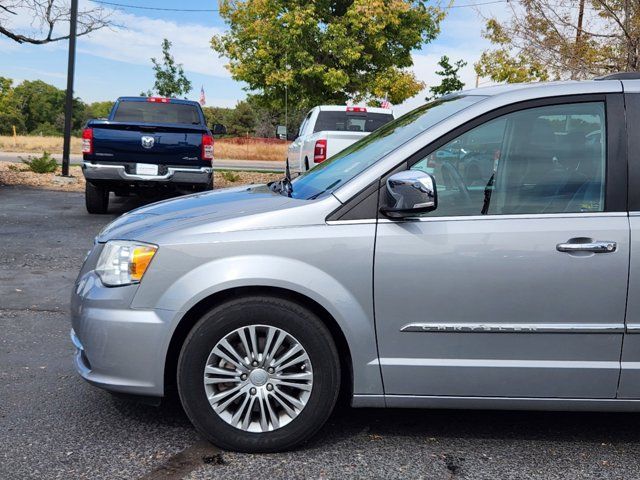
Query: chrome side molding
(516, 327)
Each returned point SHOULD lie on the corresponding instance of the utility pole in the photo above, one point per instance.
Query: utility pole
(68, 104)
(631, 53)
(577, 54)
(286, 97)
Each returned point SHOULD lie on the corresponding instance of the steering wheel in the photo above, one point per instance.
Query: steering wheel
(451, 171)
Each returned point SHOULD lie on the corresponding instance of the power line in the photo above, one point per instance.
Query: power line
(191, 10)
(141, 7)
(479, 4)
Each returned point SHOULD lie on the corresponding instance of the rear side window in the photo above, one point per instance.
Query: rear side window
(351, 121)
(152, 112)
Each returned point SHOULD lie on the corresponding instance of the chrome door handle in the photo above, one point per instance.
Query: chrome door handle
(591, 246)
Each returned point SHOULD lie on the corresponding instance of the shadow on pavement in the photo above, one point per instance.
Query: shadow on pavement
(120, 205)
(346, 422)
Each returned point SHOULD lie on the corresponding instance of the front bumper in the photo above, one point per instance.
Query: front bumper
(118, 348)
(106, 171)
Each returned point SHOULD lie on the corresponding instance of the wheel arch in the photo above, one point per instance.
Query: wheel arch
(191, 317)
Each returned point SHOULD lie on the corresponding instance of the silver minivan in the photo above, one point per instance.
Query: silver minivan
(477, 252)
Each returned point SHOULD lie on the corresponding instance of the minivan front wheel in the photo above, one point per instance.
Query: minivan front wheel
(258, 374)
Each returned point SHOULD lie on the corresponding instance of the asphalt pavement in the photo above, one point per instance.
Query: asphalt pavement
(218, 164)
(54, 425)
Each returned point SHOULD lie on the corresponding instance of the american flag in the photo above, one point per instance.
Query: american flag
(203, 100)
(385, 103)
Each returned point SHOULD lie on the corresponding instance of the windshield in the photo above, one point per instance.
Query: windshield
(355, 159)
(154, 112)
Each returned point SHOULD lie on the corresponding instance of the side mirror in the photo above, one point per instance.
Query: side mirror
(281, 132)
(409, 193)
(218, 129)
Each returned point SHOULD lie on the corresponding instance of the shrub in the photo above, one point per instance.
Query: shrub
(43, 164)
(230, 176)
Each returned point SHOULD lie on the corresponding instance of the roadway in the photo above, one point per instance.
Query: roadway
(55, 425)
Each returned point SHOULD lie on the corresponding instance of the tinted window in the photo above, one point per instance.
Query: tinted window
(353, 160)
(303, 125)
(151, 112)
(542, 160)
(351, 121)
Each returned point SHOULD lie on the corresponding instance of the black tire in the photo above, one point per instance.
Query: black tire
(96, 198)
(295, 320)
(209, 185)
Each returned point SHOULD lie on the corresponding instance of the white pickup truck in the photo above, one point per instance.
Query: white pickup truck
(329, 129)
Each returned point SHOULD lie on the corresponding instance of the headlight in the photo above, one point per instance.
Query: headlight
(124, 262)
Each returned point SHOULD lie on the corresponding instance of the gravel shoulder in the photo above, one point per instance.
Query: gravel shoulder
(16, 174)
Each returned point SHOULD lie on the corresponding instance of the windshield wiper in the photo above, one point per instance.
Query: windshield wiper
(316, 195)
(285, 184)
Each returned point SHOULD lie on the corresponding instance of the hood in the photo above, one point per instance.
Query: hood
(149, 222)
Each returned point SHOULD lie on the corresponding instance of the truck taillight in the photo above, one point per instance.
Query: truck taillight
(207, 147)
(87, 141)
(320, 151)
(158, 100)
(357, 109)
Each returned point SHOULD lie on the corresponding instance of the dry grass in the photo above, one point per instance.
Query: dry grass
(225, 148)
(250, 149)
(19, 174)
(35, 144)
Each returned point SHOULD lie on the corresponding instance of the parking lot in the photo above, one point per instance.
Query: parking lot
(54, 425)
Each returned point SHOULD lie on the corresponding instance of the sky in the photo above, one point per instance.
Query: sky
(116, 62)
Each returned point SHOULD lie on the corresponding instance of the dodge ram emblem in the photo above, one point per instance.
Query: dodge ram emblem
(147, 142)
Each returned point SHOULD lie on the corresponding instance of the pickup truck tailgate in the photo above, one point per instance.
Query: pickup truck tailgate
(123, 142)
(338, 140)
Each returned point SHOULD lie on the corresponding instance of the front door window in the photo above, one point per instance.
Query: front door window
(541, 160)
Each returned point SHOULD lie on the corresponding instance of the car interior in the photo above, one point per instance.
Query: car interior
(536, 161)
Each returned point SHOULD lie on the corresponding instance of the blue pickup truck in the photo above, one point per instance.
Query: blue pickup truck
(147, 144)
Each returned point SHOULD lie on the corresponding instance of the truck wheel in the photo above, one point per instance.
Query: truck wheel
(258, 374)
(96, 198)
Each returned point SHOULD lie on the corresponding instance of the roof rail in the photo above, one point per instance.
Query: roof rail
(620, 76)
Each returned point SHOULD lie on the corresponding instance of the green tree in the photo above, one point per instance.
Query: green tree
(217, 115)
(170, 78)
(268, 116)
(242, 119)
(450, 80)
(98, 109)
(239, 120)
(10, 115)
(574, 39)
(326, 51)
(42, 107)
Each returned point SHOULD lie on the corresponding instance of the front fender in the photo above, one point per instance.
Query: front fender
(339, 280)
